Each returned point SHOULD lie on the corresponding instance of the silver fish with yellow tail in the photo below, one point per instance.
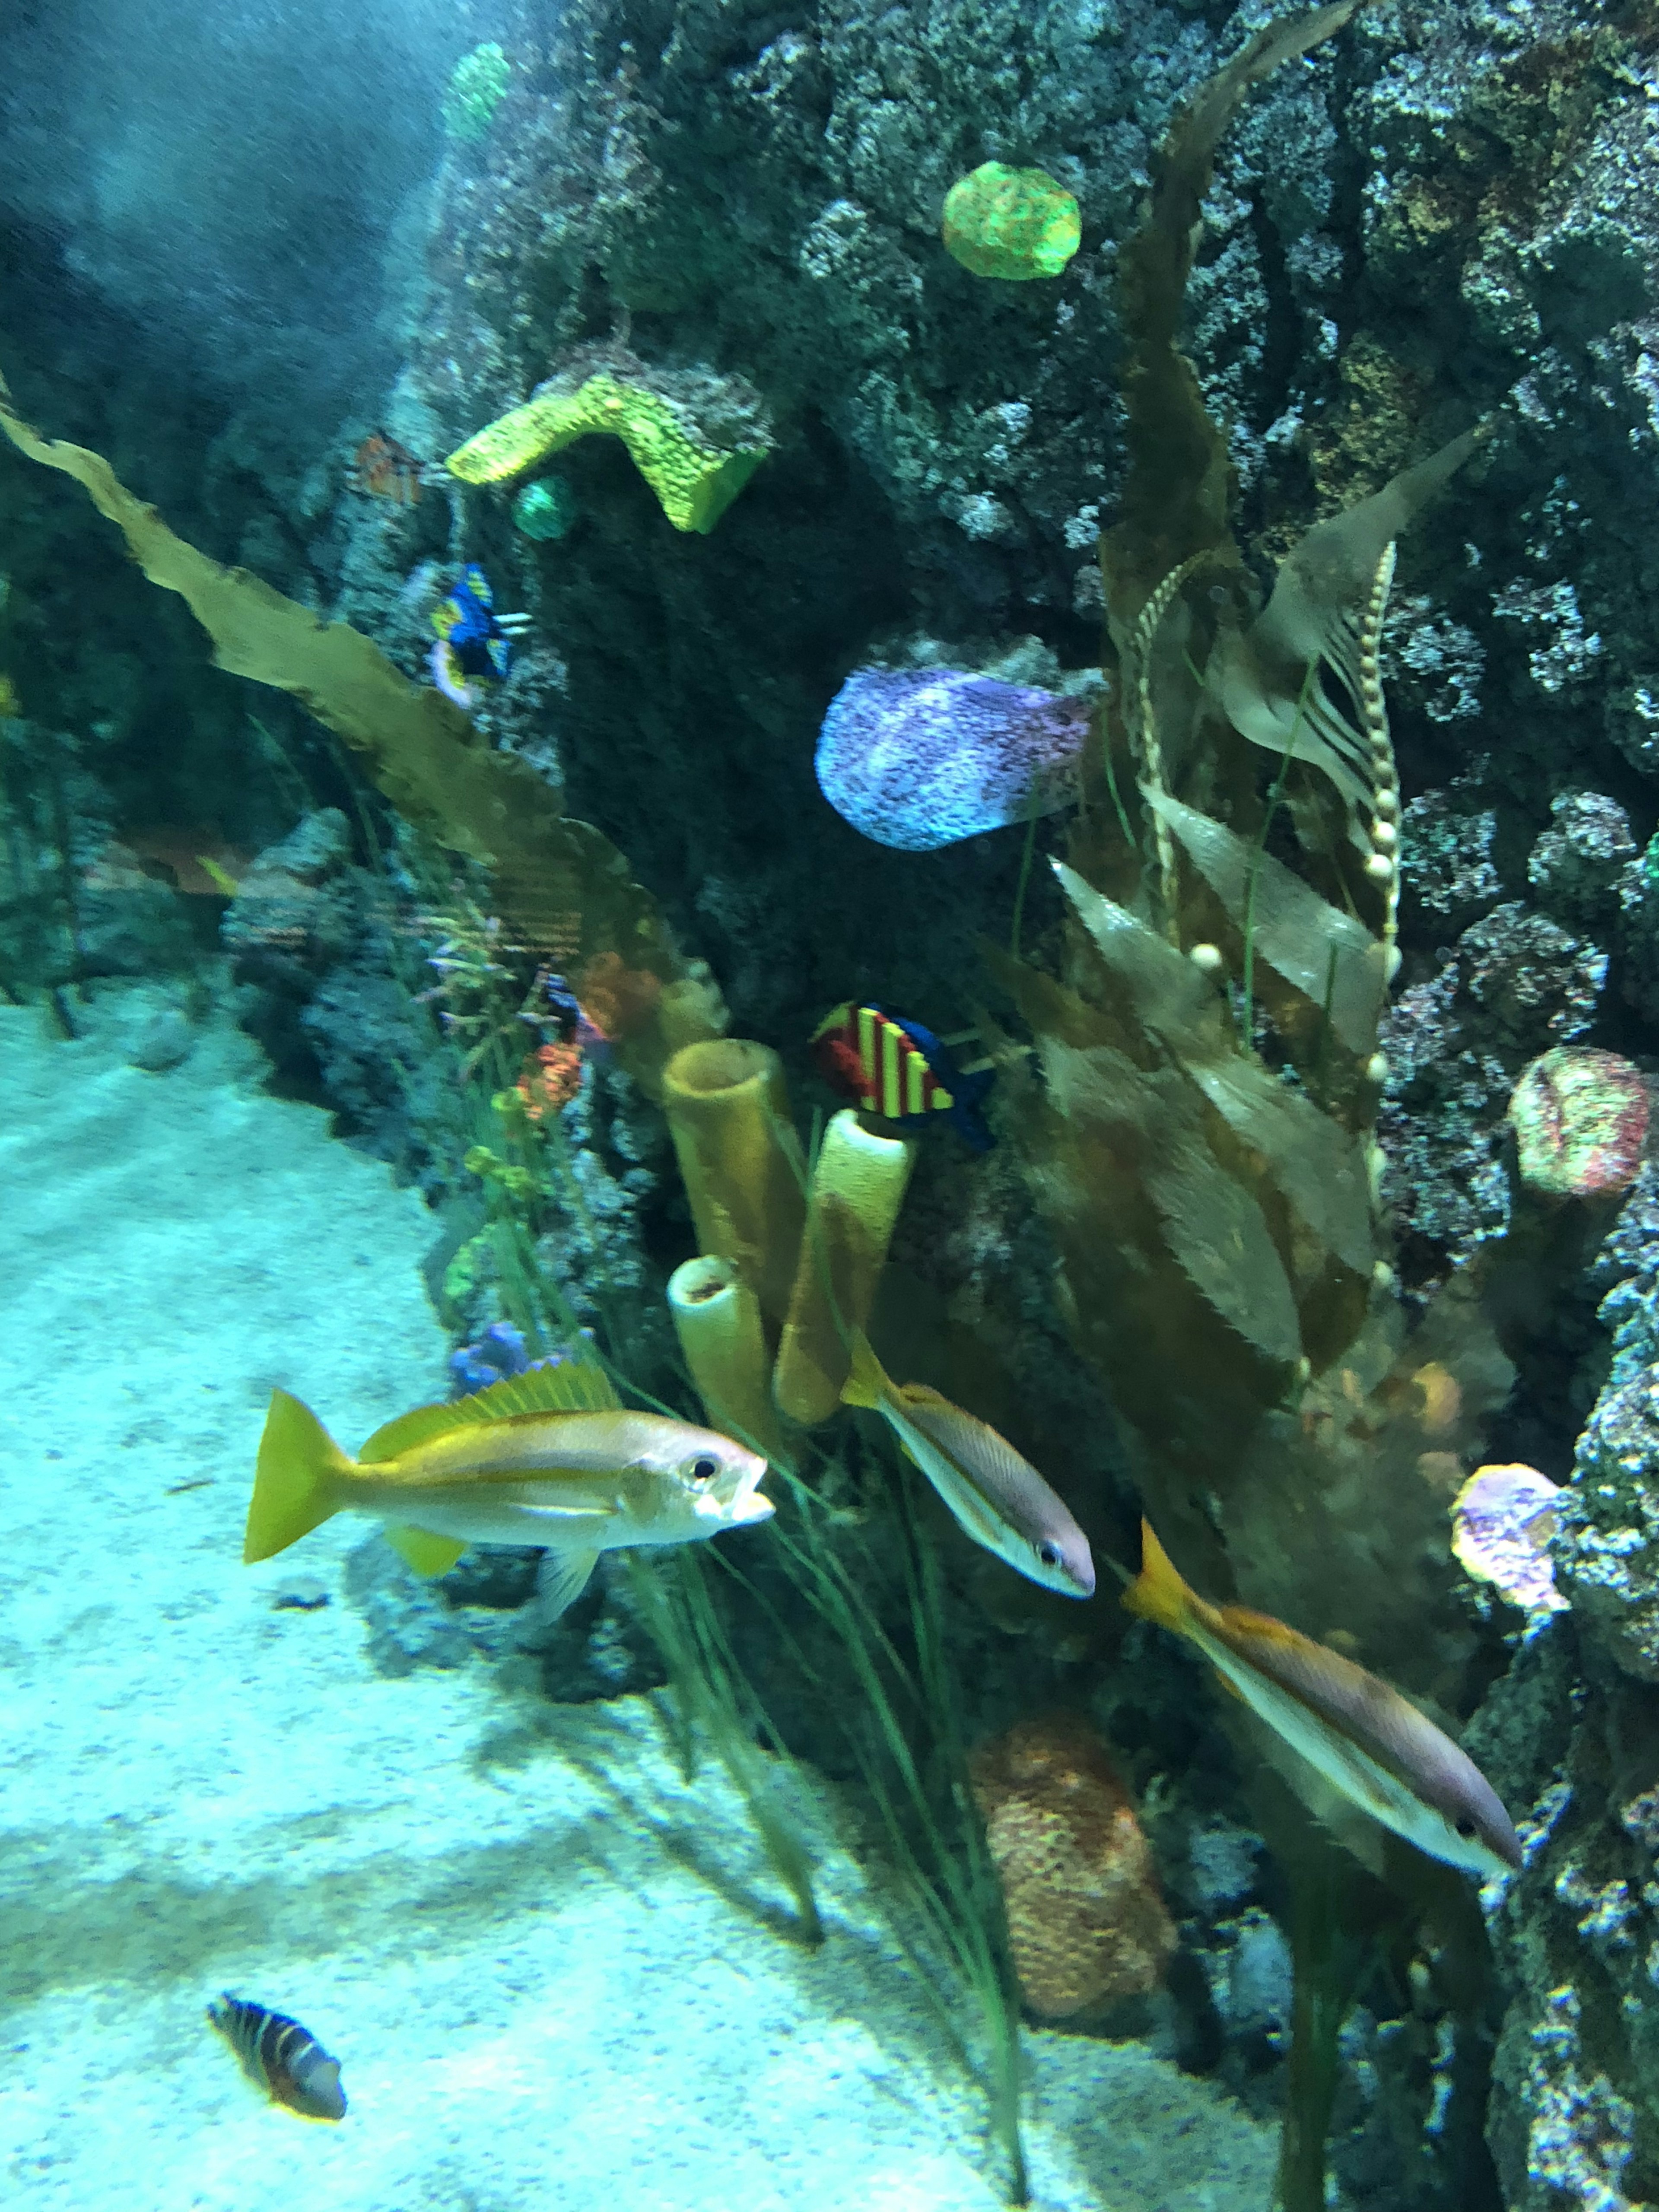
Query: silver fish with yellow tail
(1370, 1744)
(998, 1498)
(547, 1458)
(285, 2059)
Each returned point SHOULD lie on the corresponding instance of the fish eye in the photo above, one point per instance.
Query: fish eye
(1049, 1553)
(703, 1469)
(1465, 1827)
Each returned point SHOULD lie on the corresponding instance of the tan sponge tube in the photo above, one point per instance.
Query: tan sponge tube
(728, 1112)
(858, 1186)
(717, 1319)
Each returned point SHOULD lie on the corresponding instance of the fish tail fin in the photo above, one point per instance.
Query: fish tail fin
(867, 1384)
(292, 1487)
(1158, 1592)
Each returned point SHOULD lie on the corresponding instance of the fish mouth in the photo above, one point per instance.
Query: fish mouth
(750, 1506)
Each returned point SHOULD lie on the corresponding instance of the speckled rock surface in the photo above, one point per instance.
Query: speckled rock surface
(1571, 1734)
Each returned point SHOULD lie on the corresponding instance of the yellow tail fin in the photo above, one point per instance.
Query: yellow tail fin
(867, 1384)
(1158, 1592)
(292, 1493)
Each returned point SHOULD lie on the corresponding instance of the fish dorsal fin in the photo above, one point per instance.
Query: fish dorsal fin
(573, 1386)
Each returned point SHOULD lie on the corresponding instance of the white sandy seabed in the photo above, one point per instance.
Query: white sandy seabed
(546, 1965)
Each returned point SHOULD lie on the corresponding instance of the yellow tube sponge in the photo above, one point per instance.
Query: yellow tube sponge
(858, 1186)
(717, 1319)
(728, 1112)
(695, 477)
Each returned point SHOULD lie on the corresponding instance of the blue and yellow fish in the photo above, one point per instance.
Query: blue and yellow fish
(474, 642)
(900, 1071)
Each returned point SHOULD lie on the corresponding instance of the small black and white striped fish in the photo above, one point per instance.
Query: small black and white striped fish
(285, 2059)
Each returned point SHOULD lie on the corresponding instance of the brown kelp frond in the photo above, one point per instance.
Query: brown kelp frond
(1196, 1123)
(1174, 503)
(1258, 1198)
(551, 876)
(1335, 969)
(1325, 619)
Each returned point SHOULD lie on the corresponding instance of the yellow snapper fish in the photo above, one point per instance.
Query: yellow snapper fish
(998, 1498)
(1370, 1743)
(547, 1458)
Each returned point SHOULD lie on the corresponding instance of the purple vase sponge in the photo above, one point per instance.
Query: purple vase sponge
(921, 757)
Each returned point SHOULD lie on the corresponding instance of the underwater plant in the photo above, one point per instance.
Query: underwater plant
(555, 882)
(1198, 1131)
(1200, 1141)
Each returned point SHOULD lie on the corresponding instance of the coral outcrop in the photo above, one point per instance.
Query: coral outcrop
(1087, 1924)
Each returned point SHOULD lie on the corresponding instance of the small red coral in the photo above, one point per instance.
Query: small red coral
(550, 1079)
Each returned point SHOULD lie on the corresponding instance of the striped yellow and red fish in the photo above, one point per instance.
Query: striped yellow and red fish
(900, 1071)
(285, 2059)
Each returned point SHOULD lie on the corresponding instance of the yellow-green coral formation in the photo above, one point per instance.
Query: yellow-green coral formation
(1012, 223)
(695, 471)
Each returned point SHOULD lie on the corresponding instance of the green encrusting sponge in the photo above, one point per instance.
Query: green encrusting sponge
(1012, 223)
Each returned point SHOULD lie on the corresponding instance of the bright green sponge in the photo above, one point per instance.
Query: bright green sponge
(1012, 223)
(477, 87)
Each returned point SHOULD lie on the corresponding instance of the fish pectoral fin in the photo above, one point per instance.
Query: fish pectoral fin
(564, 1578)
(419, 1548)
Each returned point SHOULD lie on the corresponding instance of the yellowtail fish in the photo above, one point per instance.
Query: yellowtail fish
(998, 1498)
(1370, 1743)
(285, 2060)
(547, 1458)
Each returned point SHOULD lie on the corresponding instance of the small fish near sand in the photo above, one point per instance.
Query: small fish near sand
(996, 1497)
(285, 2059)
(1370, 1744)
(902, 1072)
(547, 1458)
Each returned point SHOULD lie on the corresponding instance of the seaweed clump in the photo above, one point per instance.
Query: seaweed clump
(556, 883)
(1198, 1130)
(1200, 1139)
